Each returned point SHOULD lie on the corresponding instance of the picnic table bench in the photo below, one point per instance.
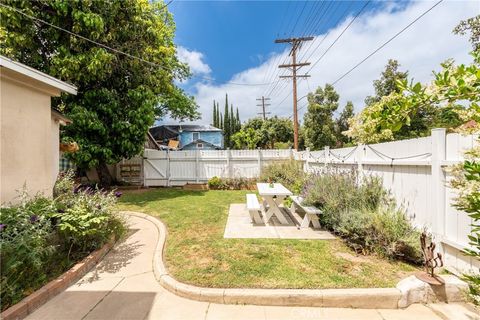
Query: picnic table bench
(311, 213)
(253, 207)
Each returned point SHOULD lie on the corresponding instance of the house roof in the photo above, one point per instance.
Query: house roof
(202, 141)
(165, 132)
(56, 114)
(37, 75)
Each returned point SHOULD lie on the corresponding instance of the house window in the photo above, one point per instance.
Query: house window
(196, 136)
(199, 145)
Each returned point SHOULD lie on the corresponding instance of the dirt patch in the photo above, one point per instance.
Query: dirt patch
(351, 257)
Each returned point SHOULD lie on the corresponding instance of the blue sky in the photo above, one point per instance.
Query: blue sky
(233, 41)
(236, 35)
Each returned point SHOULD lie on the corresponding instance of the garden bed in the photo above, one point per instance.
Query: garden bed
(196, 252)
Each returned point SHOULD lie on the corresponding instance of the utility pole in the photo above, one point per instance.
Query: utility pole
(263, 105)
(296, 44)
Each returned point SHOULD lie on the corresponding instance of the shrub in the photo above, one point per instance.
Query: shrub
(363, 214)
(41, 237)
(28, 245)
(216, 183)
(289, 173)
(467, 184)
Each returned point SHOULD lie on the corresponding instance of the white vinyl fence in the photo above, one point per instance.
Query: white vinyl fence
(415, 172)
(176, 168)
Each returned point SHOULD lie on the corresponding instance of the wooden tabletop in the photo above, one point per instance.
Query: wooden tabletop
(278, 189)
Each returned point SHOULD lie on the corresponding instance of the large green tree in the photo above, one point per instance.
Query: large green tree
(266, 134)
(319, 126)
(341, 124)
(119, 96)
(387, 83)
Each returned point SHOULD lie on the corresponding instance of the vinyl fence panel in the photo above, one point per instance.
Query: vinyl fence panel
(414, 171)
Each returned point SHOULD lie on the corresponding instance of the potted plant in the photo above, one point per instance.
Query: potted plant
(68, 145)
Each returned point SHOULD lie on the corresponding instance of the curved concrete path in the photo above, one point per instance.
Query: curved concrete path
(123, 286)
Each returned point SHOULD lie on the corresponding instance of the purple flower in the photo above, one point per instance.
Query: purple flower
(2, 226)
(34, 218)
(118, 194)
(61, 211)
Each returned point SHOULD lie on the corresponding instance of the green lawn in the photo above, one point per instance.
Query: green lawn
(197, 253)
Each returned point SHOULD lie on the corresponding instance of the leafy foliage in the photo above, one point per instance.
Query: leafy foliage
(451, 99)
(387, 84)
(42, 237)
(259, 133)
(467, 183)
(319, 126)
(118, 97)
(288, 173)
(341, 124)
(472, 26)
(216, 183)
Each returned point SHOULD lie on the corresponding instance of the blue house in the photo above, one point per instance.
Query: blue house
(189, 136)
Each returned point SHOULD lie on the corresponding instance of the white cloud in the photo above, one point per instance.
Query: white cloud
(194, 59)
(420, 50)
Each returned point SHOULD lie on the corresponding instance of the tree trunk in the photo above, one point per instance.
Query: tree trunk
(104, 175)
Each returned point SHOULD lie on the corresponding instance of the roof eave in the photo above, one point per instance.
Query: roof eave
(37, 75)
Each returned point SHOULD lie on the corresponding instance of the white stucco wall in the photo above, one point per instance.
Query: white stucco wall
(29, 137)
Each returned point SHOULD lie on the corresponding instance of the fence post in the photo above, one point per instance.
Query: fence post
(196, 166)
(438, 182)
(143, 168)
(359, 153)
(259, 161)
(229, 169)
(307, 158)
(326, 159)
(168, 168)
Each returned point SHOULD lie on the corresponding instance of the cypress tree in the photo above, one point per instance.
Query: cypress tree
(237, 120)
(214, 114)
(226, 123)
(218, 115)
(221, 121)
(233, 125)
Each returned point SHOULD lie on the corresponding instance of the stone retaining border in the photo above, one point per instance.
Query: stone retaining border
(408, 291)
(41, 296)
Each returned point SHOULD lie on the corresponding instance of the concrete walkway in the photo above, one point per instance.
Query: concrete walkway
(123, 286)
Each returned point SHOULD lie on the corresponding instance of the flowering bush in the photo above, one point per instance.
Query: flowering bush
(363, 214)
(42, 237)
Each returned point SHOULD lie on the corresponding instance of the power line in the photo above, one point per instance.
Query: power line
(340, 35)
(383, 45)
(387, 42)
(122, 52)
(328, 34)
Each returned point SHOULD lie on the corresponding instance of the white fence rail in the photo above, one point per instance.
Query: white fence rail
(173, 168)
(413, 170)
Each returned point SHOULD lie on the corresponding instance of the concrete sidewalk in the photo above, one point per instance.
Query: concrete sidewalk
(123, 286)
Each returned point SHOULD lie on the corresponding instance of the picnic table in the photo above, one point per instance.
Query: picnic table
(274, 196)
